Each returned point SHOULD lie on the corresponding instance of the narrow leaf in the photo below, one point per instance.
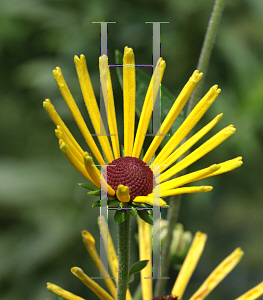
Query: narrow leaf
(145, 216)
(87, 186)
(138, 266)
(94, 193)
(120, 216)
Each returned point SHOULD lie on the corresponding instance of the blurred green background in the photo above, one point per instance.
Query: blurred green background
(42, 209)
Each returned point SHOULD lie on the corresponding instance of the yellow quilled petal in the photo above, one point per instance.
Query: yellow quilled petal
(62, 293)
(189, 143)
(109, 104)
(195, 115)
(74, 161)
(106, 236)
(123, 193)
(191, 177)
(64, 90)
(173, 113)
(186, 190)
(89, 242)
(148, 105)
(129, 92)
(205, 148)
(50, 109)
(252, 294)
(145, 253)
(61, 135)
(150, 200)
(189, 265)
(92, 106)
(218, 274)
(227, 166)
(98, 290)
(96, 175)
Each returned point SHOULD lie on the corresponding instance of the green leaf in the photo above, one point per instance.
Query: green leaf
(138, 266)
(87, 186)
(110, 203)
(94, 193)
(114, 203)
(120, 216)
(143, 214)
(132, 211)
(96, 204)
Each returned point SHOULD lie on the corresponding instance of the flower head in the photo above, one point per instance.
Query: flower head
(131, 178)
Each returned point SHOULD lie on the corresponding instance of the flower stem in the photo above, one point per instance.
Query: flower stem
(172, 219)
(207, 50)
(123, 257)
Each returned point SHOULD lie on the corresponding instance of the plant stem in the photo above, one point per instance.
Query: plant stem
(207, 50)
(172, 219)
(123, 257)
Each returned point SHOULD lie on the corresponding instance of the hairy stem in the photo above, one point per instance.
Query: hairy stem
(124, 229)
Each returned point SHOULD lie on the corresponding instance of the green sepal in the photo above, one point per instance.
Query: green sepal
(137, 267)
(114, 203)
(96, 204)
(110, 203)
(132, 211)
(120, 216)
(94, 193)
(145, 216)
(87, 186)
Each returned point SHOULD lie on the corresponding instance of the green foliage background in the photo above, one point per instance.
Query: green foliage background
(42, 209)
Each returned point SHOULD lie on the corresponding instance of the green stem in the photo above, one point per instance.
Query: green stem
(123, 257)
(172, 219)
(207, 50)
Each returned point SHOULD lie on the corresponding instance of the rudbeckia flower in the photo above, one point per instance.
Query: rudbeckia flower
(127, 176)
(181, 282)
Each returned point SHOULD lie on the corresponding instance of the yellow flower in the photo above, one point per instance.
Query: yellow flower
(130, 178)
(188, 268)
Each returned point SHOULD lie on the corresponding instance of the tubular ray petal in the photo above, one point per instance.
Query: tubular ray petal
(74, 161)
(98, 290)
(129, 92)
(189, 264)
(218, 274)
(196, 114)
(189, 143)
(148, 105)
(186, 190)
(89, 243)
(92, 106)
(54, 289)
(50, 109)
(64, 90)
(252, 294)
(173, 113)
(145, 253)
(109, 104)
(205, 148)
(191, 177)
